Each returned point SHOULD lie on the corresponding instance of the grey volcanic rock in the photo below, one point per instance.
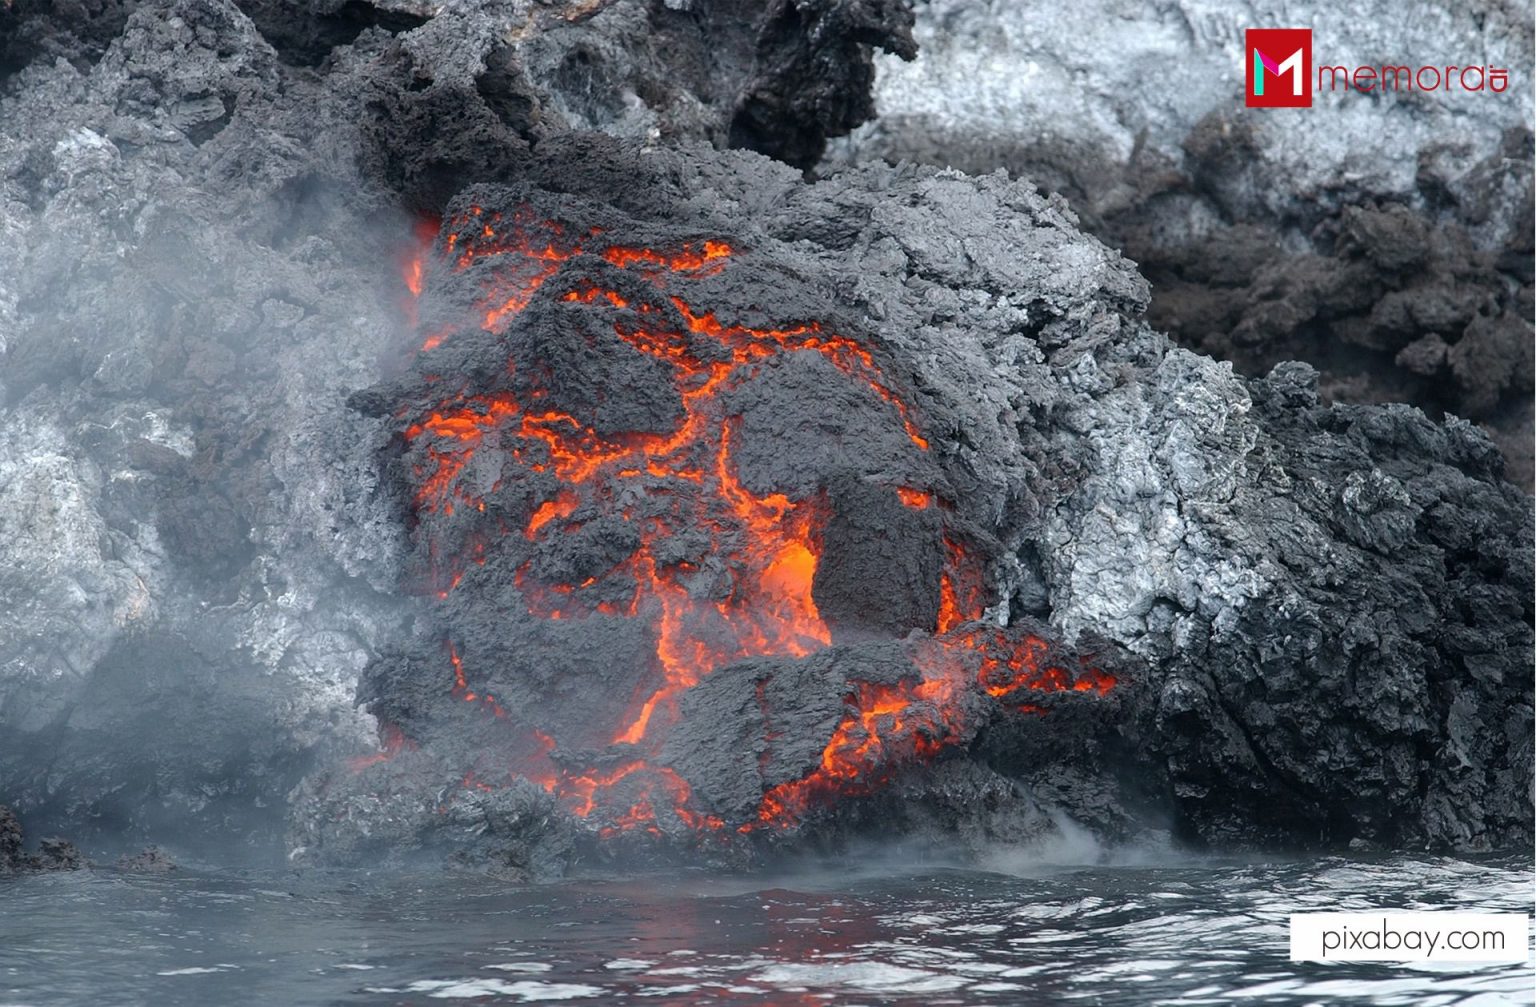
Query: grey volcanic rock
(54, 854)
(418, 814)
(10, 841)
(1368, 235)
(150, 860)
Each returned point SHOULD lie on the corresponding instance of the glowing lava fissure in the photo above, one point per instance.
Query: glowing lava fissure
(889, 726)
(763, 545)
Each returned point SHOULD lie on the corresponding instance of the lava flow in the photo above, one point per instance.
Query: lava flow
(764, 546)
(891, 726)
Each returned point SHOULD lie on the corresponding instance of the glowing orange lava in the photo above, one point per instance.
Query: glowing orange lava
(888, 727)
(413, 262)
(770, 544)
(961, 592)
(392, 741)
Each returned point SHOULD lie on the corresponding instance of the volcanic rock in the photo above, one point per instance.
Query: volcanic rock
(10, 841)
(55, 854)
(1337, 234)
(150, 860)
(202, 209)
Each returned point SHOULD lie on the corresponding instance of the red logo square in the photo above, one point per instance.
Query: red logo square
(1279, 67)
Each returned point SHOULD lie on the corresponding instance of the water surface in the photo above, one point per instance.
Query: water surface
(863, 931)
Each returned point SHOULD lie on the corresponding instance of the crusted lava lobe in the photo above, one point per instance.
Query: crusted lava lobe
(696, 573)
(750, 510)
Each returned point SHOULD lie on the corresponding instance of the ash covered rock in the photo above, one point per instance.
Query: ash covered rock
(1384, 237)
(1310, 611)
(191, 577)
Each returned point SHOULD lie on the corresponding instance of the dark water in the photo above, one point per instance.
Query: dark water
(867, 931)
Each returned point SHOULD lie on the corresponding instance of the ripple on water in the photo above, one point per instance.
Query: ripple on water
(526, 990)
(1183, 933)
(873, 977)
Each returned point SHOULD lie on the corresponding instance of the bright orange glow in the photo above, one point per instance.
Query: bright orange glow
(960, 589)
(457, 432)
(768, 545)
(461, 689)
(392, 742)
(686, 260)
(413, 262)
(887, 727)
(549, 510)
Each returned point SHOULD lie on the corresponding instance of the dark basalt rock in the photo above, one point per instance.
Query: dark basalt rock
(804, 93)
(1385, 237)
(416, 810)
(304, 34)
(151, 860)
(53, 854)
(11, 855)
(1390, 304)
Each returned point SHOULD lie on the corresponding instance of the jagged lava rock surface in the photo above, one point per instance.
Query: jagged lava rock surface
(1318, 617)
(1383, 236)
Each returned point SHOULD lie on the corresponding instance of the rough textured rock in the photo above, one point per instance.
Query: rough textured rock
(54, 854)
(804, 93)
(417, 812)
(150, 860)
(10, 841)
(190, 590)
(1368, 235)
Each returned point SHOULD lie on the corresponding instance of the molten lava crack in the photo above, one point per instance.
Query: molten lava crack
(764, 548)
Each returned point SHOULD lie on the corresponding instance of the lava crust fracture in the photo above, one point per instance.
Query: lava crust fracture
(623, 480)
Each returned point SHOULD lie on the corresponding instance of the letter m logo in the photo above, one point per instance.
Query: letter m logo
(1279, 70)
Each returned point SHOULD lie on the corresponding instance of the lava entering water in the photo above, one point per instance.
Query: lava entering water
(769, 544)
